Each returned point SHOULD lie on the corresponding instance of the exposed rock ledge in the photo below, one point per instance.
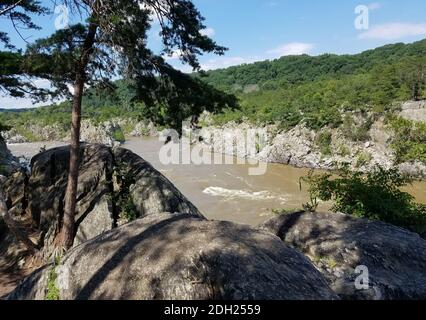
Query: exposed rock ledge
(8, 163)
(337, 244)
(298, 146)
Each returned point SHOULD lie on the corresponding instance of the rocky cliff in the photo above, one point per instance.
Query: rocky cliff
(323, 149)
(111, 132)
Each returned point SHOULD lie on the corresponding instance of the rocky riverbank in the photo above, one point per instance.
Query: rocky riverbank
(324, 149)
(110, 133)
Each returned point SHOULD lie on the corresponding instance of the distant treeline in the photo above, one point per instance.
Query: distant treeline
(318, 89)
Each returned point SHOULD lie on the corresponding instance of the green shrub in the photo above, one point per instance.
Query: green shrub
(122, 198)
(118, 135)
(376, 195)
(323, 141)
(128, 210)
(52, 289)
(343, 150)
(409, 140)
(363, 159)
(354, 132)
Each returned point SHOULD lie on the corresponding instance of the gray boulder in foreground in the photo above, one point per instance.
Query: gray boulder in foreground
(180, 257)
(8, 163)
(38, 199)
(337, 244)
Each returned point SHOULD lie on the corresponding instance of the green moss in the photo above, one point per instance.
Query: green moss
(52, 289)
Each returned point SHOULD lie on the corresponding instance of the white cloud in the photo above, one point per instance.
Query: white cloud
(7, 102)
(374, 6)
(209, 32)
(294, 48)
(225, 62)
(393, 31)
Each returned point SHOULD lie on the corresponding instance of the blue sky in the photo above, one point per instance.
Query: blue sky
(266, 29)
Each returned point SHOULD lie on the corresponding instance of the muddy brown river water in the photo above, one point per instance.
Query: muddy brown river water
(226, 192)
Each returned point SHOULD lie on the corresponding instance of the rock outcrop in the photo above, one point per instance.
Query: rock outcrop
(8, 163)
(180, 257)
(414, 111)
(108, 133)
(39, 197)
(300, 146)
(345, 249)
(142, 129)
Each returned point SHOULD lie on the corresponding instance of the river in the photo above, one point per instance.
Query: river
(227, 192)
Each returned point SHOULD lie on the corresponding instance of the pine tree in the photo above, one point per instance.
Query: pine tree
(112, 41)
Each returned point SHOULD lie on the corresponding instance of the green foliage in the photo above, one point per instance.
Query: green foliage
(343, 151)
(122, 198)
(52, 289)
(128, 209)
(356, 132)
(323, 141)
(409, 140)
(4, 127)
(363, 159)
(118, 135)
(318, 90)
(376, 195)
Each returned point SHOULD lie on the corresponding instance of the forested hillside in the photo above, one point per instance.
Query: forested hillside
(318, 89)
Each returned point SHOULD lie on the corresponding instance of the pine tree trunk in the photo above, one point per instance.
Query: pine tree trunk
(67, 231)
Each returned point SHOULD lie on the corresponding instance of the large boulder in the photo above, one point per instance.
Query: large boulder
(46, 192)
(180, 257)
(108, 133)
(151, 192)
(347, 249)
(8, 163)
(40, 197)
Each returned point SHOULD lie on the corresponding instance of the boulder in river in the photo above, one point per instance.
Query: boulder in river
(180, 256)
(386, 262)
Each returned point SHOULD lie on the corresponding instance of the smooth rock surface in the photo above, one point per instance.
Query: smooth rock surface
(337, 244)
(181, 257)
